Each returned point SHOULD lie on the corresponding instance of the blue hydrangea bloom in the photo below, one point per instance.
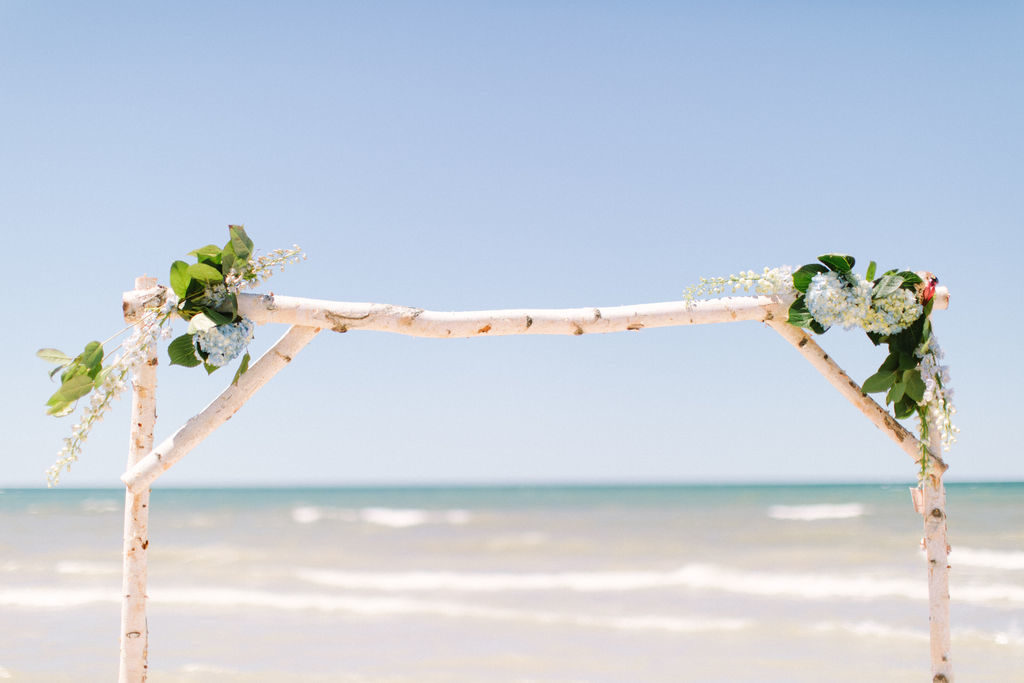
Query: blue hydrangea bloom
(224, 343)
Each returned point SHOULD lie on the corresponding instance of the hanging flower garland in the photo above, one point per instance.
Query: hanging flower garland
(203, 293)
(893, 309)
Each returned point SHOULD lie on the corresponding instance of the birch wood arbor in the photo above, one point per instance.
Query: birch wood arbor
(308, 317)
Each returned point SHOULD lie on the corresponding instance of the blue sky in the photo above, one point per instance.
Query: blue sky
(486, 155)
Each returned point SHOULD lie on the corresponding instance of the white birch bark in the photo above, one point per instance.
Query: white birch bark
(879, 416)
(936, 552)
(341, 316)
(134, 637)
(142, 474)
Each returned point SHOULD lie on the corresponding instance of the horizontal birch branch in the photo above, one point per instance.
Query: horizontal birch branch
(341, 316)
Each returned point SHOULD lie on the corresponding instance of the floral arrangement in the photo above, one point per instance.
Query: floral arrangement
(203, 293)
(893, 309)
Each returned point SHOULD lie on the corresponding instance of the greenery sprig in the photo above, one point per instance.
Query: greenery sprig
(893, 309)
(208, 299)
(204, 294)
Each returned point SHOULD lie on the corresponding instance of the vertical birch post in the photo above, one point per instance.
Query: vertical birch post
(936, 550)
(134, 666)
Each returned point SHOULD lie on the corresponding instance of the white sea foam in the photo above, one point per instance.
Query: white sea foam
(88, 568)
(306, 515)
(814, 513)
(226, 598)
(693, 576)
(397, 518)
(55, 597)
(989, 559)
(871, 629)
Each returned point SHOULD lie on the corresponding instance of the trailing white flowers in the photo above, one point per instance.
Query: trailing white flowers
(113, 381)
(770, 281)
(938, 394)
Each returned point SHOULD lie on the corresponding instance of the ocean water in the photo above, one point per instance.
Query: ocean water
(544, 583)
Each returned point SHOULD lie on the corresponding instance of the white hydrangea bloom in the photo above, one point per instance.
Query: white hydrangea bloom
(224, 342)
(893, 313)
(833, 301)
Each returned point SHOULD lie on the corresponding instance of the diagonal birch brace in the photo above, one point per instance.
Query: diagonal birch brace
(220, 410)
(837, 377)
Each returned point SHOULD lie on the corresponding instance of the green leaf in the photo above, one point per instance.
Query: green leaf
(210, 254)
(907, 361)
(210, 369)
(240, 242)
(57, 411)
(886, 285)
(840, 263)
(182, 351)
(880, 381)
(904, 408)
(910, 278)
(200, 322)
(817, 327)
(242, 368)
(180, 278)
(217, 317)
(72, 390)
(926, 330)
(915, 386)
(803, 276)
(54, 356)
(74, 370)
(798, 313)
(896, 394)
(891, 362)
(98, 381)
(60, 408)
(92, 357)
(205, 274)
(871, 271)
(227, 258)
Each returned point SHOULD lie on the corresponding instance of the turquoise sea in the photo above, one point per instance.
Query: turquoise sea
(518, 583)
